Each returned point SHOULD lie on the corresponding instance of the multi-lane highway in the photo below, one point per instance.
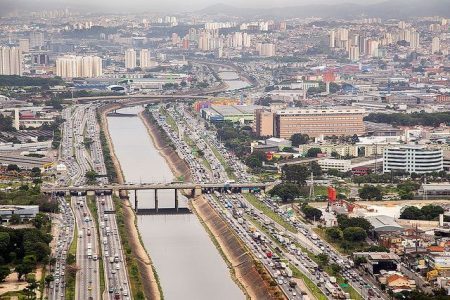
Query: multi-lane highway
(81, 152)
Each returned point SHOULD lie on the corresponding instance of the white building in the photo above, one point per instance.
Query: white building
(25, 212)
(413, 159)
(70, 66)
(144, 58)
(130, 59)
(266, 49)
(435, 45)
(10, 61)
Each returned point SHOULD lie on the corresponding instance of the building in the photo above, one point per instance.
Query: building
(435, 45)
(377, 261)
(24, 45)
(10, 61)
(266, 49)
(353, 53)
(263, 122)
(413, 159)
(36, 39)
(233, 113)
(144, 59)
(383, 224)
(130, 59)
(71, 66)
(25, 212)
(316, 122)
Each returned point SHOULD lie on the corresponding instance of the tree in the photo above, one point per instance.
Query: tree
(295, 173)
(4, 272)
(431, 212)
(335, 269)
(36, 172)
(286, 191)
(40, 220)
(334, 233)
(312, 152)
(370, 192)
(316, 169)
(354, 234)
(13, 167)
(49, 278)
(299, 139)
(14, 220)
(345, 222)
(411, 213)
(91, 177)
(311, 213)
(322, 259)
(4, 242)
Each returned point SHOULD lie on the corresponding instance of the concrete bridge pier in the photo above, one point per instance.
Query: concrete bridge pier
(156, 200)
(136, 201)
(176, 200)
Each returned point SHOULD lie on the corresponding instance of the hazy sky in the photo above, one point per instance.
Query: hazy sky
(172, 5)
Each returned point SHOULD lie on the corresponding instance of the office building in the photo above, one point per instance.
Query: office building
(71, 66)
(316, 122)
(435, 45)
(130, 59)
(144, 59)
(413, 159)
(40, 59)
(10, 61)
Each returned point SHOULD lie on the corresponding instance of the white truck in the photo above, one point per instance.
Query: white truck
(80, 233)
(89, 253)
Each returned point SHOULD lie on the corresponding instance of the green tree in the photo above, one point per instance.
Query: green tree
(316, 169)
(322, 259)
(91, 177)
(311, 213)
(295, 173)
(335, 269)
(370, 192)
(333, 233)
(36, 172)
(13, 167)
(411, 213)
(354, 234)
(312, 152)
(298, 139)
(4, 242)
(40, 220)
(49, 278)
(286, 191)
(15, 219)
(4, 272)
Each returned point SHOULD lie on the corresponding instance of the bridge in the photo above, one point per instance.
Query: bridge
(196, 189)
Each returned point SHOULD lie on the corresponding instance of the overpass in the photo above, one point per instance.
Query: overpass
(196, 189)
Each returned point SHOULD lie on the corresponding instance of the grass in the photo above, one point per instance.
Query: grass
(268, 212)
(169, 119)
(312, 287)
(132, 266)
(223, 162)
(93, 208)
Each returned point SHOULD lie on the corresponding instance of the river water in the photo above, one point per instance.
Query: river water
(188, 264)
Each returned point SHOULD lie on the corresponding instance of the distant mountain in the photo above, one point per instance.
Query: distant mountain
(387, 9)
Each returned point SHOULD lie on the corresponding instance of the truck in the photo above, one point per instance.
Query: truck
(292, 284)
(88, 232)
(314, 236)
(108, 230)
(240, 220)
(89, 253)
(80, 233)
(332, 279)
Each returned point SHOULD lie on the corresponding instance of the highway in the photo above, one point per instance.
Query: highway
(81, 151)
(65, 228)
(88, 278)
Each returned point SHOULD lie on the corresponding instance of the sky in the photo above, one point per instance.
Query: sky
(170, 5)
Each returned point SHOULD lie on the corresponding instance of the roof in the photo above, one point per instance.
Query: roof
(384, 223)
(435, 249)
(394, 277)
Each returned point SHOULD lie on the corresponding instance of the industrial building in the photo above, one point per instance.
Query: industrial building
(25, 212)
(383, 224)
(243, 114)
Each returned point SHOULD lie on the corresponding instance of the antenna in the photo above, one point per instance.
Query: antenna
(311, 188)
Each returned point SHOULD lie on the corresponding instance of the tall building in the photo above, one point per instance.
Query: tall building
(71, 66)
(24, 45)
(36, 39)
(413, 159)
(144, 59)
(130, 59)
(319, 121)
(435, 45)
(332, 39)
(10, 61)
(353, 53)
(266, 49)
(414, 42)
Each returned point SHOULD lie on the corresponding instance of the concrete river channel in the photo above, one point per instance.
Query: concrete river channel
(188, 264)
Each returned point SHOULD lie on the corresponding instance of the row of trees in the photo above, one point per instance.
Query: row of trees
(351, 233)
(401, 119)
(15, 80)
(427, 212)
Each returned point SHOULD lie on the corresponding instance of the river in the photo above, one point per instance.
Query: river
(188, 264)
